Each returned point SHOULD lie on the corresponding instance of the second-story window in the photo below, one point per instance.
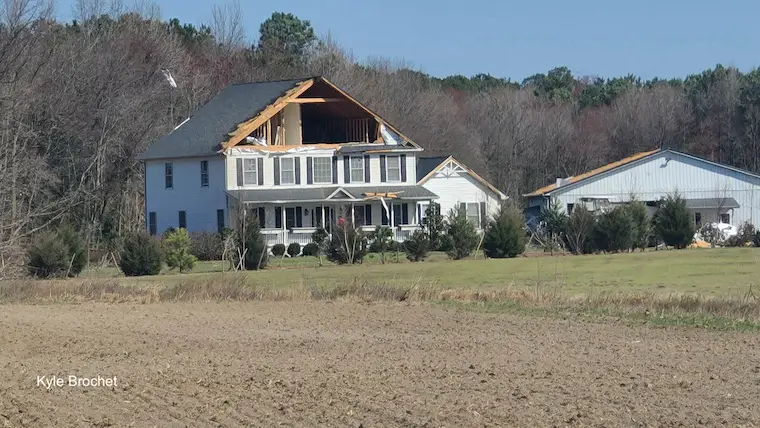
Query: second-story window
(204, 173)
(322, 170)
(287, 171)
(393, 166)
(250, 174)
(357, 169)
(169, 175)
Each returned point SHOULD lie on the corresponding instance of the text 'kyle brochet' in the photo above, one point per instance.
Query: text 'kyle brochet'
(50, 382)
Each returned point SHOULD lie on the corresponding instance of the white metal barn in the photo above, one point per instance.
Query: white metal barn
(713, 192)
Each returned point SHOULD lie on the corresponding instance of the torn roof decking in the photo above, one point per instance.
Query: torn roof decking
(238, 110)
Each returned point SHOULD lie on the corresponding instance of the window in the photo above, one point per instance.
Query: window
(220, 221)
(204, 173)
(169, 175)
(363, 215)
(725, 218)
(698, 219)
(250, 172)
(570, 208)
(182, 220)
(473, 213)
(152, 223)
(322, 170)
(397, 216)
(357, 169)
(422, 211)
(287, 171)
(290, 218)
(393, 168)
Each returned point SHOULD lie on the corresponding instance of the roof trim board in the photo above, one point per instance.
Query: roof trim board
(466, 169)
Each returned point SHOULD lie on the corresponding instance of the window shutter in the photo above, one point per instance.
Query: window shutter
(262, 217)
(384, 218)
(366, 169)
(278, 217)
(403, 168)
(419, 214)
(368, 215)
(276, 172)
(299, 217)
(335, 169)
(297, 169)
(404, 213)
(346, 169)
(309, 170)
(383, 172)
(483, 215)
(463, 207)
(239, 166)
(260, 170)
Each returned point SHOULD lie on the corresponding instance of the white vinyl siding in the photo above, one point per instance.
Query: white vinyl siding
(250, 173)
(393, 168)
(322, 168)
(287, 171)
(357, 169)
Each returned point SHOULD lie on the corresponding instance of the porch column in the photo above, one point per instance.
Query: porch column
(324, 226)
(352, 214)
(284, 227)
(392, 216)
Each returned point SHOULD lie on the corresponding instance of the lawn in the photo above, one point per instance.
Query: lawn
(716, 272)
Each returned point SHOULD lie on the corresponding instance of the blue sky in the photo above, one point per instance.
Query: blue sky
(515, 39)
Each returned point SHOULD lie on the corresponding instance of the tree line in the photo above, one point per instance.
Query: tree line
(81, 100)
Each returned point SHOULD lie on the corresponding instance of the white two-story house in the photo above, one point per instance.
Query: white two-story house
(299, 155)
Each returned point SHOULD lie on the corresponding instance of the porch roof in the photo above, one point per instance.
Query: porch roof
(332, 194)
(712, 203)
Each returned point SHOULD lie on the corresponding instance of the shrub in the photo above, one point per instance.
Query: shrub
(641, 225)
(382, 240)
(141, 255)
(178, 254)
(756, 239)
(311, 249)
(251, 243)
(580, 230)
(734, 241)
(613, 231)
(319, 237)
(416, 247)
(711, 234)
(348, 245)
(435, 226)
(76, 252)
(746, 232)
(294, 249)
(278, 250)
(672, 222)
(505, 236)
(57, 254)
(206, 246)
(464, 238)
(48, 256)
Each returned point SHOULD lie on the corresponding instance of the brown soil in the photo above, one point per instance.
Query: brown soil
(352, 364)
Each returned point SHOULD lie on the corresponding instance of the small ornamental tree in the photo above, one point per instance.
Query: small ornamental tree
(207, 246)
(382, 241)
(641, 225)
(141, 255)
(178, 255)
(580, 230)
(251, 243)
(505, 235)
(435, 227)
(58, 253)
(461, 233)
(75, 248)
(348, 244)
(320, 238)
(672, 222)
(416, 247)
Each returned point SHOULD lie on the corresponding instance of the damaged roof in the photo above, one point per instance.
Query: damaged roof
(202, 133)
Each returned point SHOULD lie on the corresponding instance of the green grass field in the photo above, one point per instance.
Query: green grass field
(710, 272)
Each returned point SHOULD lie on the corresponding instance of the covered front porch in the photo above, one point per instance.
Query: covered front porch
(286, 221)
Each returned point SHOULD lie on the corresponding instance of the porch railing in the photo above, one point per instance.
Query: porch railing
(303, 236)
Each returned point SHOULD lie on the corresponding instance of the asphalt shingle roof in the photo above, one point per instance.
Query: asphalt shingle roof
(427, 164)
(202, 134)
(710, 203)
(321, 193)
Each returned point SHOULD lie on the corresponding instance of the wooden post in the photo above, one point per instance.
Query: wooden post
(269, 133)
(284, 227)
